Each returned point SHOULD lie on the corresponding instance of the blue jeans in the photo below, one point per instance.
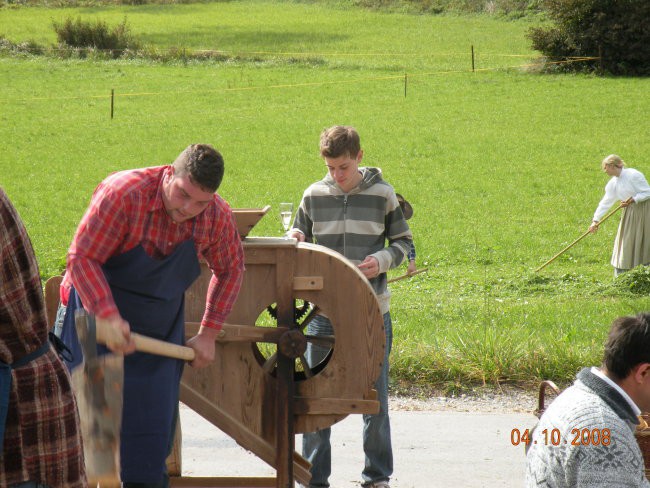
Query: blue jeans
(377, 446)
(58, 322)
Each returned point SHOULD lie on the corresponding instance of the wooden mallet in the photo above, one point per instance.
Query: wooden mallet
(98, 385)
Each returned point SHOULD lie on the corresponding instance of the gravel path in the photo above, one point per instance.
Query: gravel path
(438, 441)
(508, 400)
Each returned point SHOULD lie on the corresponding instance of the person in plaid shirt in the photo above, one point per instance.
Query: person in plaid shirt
(40, 439)
(133, 256)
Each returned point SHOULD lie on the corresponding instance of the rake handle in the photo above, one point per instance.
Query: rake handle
(577, 240)
(407, 275)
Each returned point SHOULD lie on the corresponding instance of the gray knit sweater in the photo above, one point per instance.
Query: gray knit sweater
(589, 406)
(357, 224)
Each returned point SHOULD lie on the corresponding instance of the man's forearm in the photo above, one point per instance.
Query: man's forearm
(88, 279)
(221, 297)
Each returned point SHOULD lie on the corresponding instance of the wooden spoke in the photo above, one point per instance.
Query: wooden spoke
(269, 364)
(305, 367)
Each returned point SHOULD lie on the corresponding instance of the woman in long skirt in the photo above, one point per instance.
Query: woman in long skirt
(632, 244)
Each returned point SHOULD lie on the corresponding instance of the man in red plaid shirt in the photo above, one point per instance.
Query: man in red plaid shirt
(134, 254)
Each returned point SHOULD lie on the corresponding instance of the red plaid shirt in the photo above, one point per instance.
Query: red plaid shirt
(127, 210)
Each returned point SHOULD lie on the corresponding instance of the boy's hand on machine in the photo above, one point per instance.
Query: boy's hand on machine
(369, 267)
(296, 235)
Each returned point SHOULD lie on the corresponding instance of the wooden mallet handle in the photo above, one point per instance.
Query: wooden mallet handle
(108, 335)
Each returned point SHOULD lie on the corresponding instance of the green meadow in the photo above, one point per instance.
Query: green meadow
(502, 165)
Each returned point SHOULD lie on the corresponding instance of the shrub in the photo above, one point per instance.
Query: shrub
(23, 48)
(95, 35)
(615, 31)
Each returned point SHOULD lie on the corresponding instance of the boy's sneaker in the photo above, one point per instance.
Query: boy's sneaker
(378, 484)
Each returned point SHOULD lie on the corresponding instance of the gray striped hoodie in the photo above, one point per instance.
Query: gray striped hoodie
(357, 224)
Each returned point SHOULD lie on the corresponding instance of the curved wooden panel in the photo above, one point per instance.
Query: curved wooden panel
(237, 395)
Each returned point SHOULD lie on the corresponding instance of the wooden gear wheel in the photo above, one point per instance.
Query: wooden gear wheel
(260, 390)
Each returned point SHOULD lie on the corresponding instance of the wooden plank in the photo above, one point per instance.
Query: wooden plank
(262, 250)
(52, 298)
(249, 333)
(174, 461)
(334, 406)
(222, 482)
(284, 387)
(192, 328)
(240, 333)
(307, 283)
(240, 433)
(246, 218)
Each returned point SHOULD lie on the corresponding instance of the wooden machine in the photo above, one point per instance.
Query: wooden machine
(260, 389)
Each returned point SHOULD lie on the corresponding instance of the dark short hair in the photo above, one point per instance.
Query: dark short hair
(628, 344)
(340, 140)
(204, 165)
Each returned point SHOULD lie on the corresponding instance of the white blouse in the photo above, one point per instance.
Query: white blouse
(630, 183)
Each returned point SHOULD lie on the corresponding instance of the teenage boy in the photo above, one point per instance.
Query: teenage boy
(354, 211)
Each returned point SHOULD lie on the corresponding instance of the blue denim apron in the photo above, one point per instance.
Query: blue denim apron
(149, 294)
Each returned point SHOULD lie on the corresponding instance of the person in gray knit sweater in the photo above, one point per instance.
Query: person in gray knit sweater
(586, 436)
(356, 213)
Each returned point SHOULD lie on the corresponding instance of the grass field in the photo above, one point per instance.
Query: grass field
(501, 165)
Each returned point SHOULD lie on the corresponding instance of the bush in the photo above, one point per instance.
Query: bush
(27, 48)
(615, 31)
(96, 36)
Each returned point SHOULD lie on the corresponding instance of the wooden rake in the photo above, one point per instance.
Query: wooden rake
(577, 240)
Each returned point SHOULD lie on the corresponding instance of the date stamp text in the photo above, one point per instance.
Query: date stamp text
(553, 437)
